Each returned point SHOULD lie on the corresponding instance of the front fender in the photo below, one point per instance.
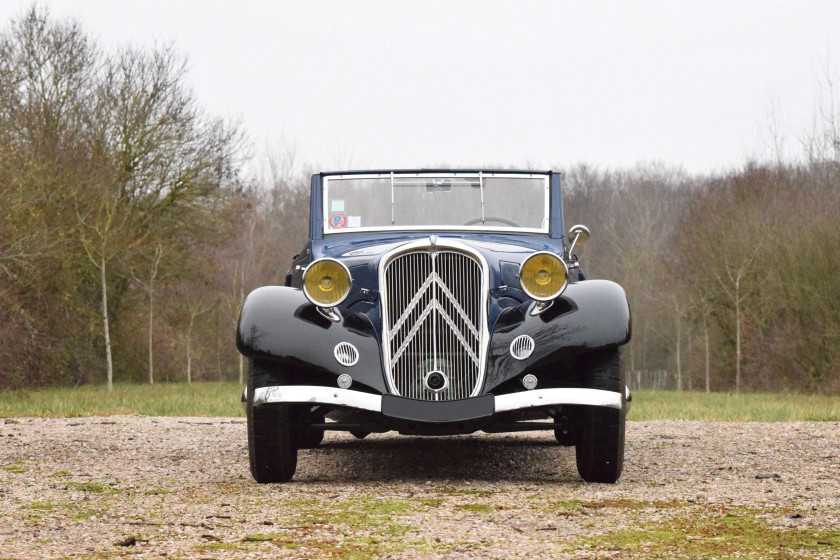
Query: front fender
(589, 315)
(279, 324)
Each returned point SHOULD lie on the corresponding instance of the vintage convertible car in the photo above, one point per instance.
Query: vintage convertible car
(436, 302)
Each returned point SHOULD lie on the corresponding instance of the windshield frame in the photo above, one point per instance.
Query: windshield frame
(439, 175)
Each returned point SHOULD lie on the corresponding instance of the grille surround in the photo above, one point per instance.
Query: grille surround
(426, 299)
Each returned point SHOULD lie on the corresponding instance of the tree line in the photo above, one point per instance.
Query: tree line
(128, 234)
(131, 233)
(733, 279)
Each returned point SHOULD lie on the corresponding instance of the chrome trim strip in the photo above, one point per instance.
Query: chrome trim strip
(544, 397)
(317, 395)
(481, 188)
(453, 228)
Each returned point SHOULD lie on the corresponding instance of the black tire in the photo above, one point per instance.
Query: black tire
(565, 431)
(360, 434)
(271, 447)
(306, 437)
(600, 434)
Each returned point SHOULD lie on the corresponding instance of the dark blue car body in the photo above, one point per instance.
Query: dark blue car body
(291, 341)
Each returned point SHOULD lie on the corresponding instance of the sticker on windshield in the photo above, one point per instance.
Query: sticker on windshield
(337, 206)
(354, 221)
(338, 221)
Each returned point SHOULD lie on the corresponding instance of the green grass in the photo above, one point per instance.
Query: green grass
(369, 528)
(726, 407)
(222, 399)
(261, 537)
(93, 487)
(43, 511)
(162, 399)
(738, 534)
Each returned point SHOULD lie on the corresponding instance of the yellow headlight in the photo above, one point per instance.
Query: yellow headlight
(326, 282)
(543, 276)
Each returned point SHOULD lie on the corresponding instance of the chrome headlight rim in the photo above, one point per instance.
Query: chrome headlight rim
(343, 297)
(565, 277)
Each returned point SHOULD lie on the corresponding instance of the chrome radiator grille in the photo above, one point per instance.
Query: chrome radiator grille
(434, 321)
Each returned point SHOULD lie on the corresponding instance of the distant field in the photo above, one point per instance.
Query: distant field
(730, 407)
(222, 399)
(162, 399)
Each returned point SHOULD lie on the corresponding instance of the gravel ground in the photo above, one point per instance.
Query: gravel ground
(180, 488)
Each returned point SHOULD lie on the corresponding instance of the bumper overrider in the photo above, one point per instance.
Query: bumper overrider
(436, 411)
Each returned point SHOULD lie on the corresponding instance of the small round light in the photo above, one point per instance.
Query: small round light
(435, 381)
(543, 276)
(529, 381)
(344, 381)
(326, 282)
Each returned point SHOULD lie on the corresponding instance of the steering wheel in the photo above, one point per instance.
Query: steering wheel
(491, 219)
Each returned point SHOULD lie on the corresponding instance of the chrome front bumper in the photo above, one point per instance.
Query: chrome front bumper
(373, 403)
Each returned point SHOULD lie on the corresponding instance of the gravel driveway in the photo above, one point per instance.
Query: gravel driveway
(180, 488)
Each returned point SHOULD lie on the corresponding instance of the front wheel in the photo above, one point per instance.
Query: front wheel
(599, 443)
(308, 437)
(272, 452)
(564, 433)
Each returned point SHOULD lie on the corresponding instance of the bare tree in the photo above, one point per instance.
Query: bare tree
(822, 142)
(731, 278)
(161, 160)
(275, 226)
(148, 284)
(195, 307)
(703, 305)
(99, 232)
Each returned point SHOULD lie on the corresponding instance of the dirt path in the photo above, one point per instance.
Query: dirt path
(180, 488)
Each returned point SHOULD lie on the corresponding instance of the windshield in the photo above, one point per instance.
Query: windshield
(495, 201)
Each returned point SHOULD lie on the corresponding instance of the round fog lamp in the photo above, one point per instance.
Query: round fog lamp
(529, 381)
(326, 282)
(543, 276)
(344, 381)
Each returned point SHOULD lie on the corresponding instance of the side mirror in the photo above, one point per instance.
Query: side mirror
(579, 235)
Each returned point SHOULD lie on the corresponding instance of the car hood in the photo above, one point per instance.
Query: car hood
(358, 250)
(362, 254)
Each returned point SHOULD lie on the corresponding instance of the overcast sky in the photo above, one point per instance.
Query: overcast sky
(540, 84)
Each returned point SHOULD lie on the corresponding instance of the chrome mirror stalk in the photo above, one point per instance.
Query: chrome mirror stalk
(540, 307)
(329, 313)
(580, 236)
